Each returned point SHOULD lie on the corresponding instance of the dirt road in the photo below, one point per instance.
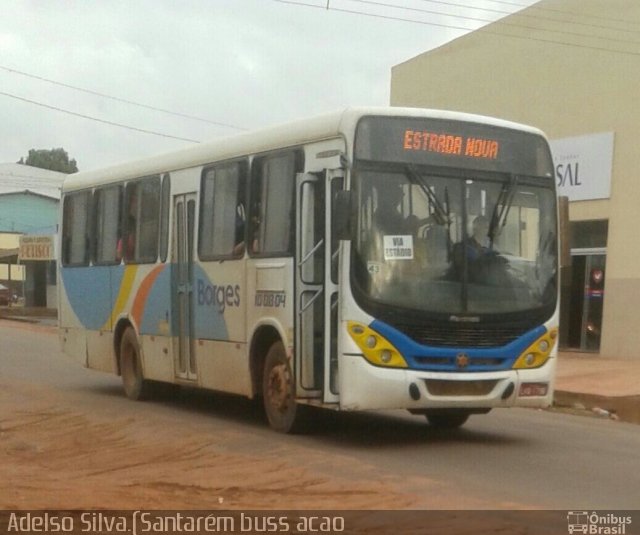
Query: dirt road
(63, 447)
(55, 457)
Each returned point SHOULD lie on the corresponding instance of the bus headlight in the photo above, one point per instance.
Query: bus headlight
(375, 348)
(538, 352)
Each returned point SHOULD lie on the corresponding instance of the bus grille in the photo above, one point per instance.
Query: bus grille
(438, 387)
(477, 336)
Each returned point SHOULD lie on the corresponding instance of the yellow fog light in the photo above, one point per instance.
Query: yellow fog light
(537, 353)
(357, 329)
(376, 349)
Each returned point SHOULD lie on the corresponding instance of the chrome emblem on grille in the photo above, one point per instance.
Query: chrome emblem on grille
(462, 360)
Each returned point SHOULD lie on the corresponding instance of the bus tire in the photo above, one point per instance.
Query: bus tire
(278, 391)
(133, 381)
(447, 418)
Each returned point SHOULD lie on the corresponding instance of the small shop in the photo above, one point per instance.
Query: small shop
(583, 167)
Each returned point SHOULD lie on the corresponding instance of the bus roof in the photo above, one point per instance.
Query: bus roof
(272, 138)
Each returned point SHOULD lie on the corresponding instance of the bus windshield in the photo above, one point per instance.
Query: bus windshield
(454, 242)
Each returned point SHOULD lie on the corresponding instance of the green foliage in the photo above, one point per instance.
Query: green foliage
(54, 160)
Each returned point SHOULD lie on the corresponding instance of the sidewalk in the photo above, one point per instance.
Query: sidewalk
(42, 316)
(611, 386)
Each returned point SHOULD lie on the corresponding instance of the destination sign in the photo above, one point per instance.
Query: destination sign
(447, 143)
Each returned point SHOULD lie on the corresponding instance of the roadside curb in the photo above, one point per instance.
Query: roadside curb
(623, 408)
(32, 315)
(22, 319)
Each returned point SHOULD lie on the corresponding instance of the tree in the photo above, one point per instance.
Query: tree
(54, 160)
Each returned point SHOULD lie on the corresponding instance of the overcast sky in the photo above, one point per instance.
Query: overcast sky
(242, 63)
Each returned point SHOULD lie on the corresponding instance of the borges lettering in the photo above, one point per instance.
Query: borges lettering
(222, 296)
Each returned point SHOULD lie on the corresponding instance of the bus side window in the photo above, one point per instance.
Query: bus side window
(165, 205)
(126, 247)
(139, 242)
(222, 213)
(107, 224)
(272, 206)
(76, 229)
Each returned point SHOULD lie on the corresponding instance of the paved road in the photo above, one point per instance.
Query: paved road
(507, 459)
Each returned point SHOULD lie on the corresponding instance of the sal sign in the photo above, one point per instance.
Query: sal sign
(583, 166)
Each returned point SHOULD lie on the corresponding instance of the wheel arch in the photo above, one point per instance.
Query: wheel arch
(121, 326)
(263, 338)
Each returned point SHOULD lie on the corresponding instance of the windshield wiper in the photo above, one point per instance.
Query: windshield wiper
(440, 215)
(505, 200)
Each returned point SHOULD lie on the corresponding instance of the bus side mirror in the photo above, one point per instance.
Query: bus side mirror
(341, 216)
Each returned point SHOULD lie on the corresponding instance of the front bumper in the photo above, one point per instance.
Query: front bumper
(363, 386)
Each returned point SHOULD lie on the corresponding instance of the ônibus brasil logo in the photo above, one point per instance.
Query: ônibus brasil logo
(597, 523)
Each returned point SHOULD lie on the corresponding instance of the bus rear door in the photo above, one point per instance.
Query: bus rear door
(183, 283)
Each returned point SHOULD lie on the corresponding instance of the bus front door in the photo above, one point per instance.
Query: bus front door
(316, 288)
(184, 210)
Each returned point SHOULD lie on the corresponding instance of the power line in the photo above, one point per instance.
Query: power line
(476, 19)
(104, 121)
(118, 99)
(531, 16)
(374, 15)
(561, 11)
(450, 26)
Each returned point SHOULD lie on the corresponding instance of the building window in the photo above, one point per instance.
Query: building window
(588, 234)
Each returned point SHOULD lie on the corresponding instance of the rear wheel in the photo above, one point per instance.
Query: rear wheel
(447, 418)
(278, 391)
(133, 381)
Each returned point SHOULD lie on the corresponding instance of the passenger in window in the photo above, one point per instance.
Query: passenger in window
(127, 243)
(239, 247)
(478, 244)
(388, 218)
(254, 228)
(484, 264)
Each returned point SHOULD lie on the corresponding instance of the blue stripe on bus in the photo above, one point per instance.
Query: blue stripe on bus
(431, 358)
(89, 291)
(93, 291)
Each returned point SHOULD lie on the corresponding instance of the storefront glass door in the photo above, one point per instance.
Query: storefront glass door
(585, 302)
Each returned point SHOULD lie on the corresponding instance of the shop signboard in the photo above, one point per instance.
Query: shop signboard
(36, 248)
(583, 166)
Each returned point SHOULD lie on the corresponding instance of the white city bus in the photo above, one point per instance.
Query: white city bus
(370, 259)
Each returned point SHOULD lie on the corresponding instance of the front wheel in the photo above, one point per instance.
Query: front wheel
(278, 391)
(447, 418)
(133, 381)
